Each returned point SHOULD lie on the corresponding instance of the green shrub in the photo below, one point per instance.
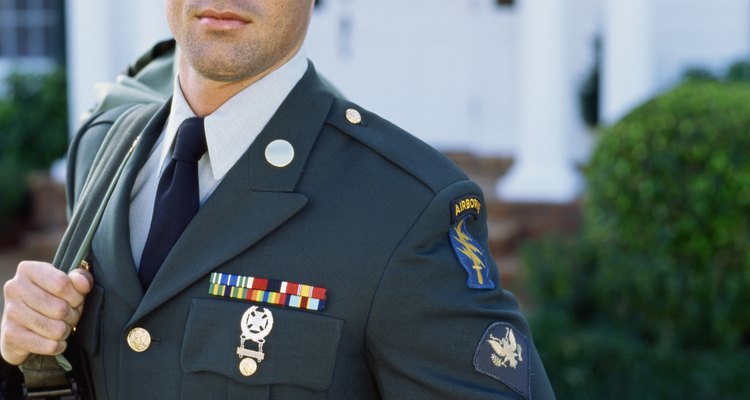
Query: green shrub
(668, 205)
(33, 132)
(651, 300)
(598, 361)
(698, 74)
(561, 284)
(590, 355)
(739, 72)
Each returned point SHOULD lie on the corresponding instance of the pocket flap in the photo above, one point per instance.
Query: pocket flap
(300, 349)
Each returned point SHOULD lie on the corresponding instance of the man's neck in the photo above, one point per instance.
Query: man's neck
(205, 95)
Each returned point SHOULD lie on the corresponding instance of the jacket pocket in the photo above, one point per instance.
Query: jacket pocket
(298, 350)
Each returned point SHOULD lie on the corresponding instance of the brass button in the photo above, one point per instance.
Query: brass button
(139, 339)
(353, 116)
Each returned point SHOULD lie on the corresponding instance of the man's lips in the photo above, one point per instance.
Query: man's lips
(221, 19)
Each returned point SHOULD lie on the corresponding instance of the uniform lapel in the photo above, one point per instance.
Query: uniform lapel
(253, 199)
(111, 244)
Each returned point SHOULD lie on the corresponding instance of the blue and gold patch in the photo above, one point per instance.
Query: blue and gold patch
(504, 354)
(471, 255)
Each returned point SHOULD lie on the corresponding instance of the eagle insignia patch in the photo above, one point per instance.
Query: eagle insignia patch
(507, 351)
(503, 354)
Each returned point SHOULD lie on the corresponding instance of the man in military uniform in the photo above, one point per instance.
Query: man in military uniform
(269, 240)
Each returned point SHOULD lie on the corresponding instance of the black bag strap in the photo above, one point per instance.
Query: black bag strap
(44, 376)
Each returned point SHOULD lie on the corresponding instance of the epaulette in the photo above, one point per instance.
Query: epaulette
(416, 157)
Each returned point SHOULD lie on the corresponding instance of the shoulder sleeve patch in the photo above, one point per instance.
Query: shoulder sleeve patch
(469, 252)
(471, 257)
(463, 206)
(503, 353)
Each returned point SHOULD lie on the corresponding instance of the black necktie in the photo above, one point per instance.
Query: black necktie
(177, 198)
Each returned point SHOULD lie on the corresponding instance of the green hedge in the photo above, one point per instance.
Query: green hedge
(590, 355)
(652, 300)
(33, 133)
(669, 205)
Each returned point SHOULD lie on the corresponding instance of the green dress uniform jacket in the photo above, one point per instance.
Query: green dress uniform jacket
(364, 212)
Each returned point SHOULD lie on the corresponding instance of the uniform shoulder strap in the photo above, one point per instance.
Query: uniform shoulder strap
(90, 177)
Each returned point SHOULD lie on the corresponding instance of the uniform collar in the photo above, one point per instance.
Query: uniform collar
(232, 128)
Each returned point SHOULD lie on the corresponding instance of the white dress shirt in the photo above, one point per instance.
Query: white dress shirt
(230, 130)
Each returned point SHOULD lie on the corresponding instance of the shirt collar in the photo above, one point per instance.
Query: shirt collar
(232, 128)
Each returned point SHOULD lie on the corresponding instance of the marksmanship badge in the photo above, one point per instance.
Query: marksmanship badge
(503, 353)
(256, 324)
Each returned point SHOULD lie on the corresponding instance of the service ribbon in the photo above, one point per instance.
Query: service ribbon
(268, 291)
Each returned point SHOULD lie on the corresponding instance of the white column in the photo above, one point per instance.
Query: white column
(543, 169)
(627, 64)
(89, 43)
(103, 39)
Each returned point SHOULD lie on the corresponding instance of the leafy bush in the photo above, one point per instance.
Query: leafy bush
(739, 72)
(651, 300)
(668, 201)
(589, 355)
(698, 74)
(33, 132)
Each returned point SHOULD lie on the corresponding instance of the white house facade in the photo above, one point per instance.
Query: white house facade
(469, 75)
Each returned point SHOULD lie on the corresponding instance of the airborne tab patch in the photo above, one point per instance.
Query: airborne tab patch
(463, 206)
(503, 353)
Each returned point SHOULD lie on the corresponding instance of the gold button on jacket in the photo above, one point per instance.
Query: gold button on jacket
(139, 339)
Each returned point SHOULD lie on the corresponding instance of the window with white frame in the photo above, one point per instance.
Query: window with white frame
(31, 29)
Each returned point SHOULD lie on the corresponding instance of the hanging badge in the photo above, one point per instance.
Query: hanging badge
(256, 324)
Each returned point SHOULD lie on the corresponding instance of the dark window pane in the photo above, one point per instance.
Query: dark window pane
(22, 41)
(36, 41)
(23, 4)
(6, 42)
(52, 45)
